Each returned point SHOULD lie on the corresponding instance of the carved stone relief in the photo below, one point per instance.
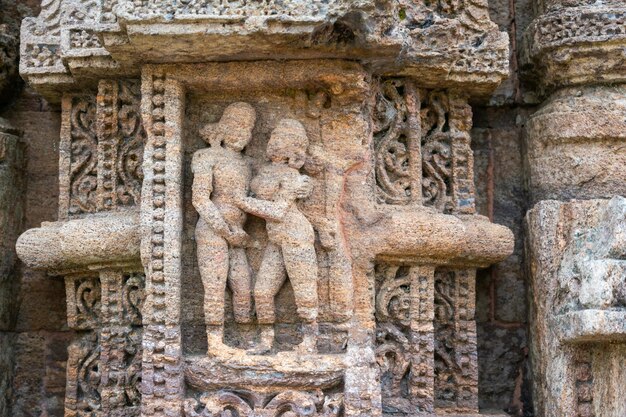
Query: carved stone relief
(308, 243)
(101, 150)
(104, 364)
(579, 278)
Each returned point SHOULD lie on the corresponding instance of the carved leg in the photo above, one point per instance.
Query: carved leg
(301, 265)
(270, 278)
(240, 283)
(213, 264)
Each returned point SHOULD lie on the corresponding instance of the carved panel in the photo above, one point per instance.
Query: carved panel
(79, 157)
(456, 358)
(82, 394)
(426, 339)
(246, 403)
(83, 296)
(101, 150)
(422, 148)
(404, 335)
(104, 366)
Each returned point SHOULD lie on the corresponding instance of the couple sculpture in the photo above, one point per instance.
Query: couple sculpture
(224, 192)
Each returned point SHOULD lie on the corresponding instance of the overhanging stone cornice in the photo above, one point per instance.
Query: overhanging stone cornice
(577, 45)
(74, 43)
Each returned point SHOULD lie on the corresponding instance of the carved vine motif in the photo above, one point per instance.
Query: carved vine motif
(106, 142)
(422, 152)
(120, 144)
(436, 153)
(83, 158)
(133, 297)
(83, 302)
(121, 368)
(447, 159)
(404, 337)
(455, 342)
(88, 377)
(130, 151)
(284, 404)
(395, 150)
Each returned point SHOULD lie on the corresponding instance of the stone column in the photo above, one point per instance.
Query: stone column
(11, 214)
(576, 154)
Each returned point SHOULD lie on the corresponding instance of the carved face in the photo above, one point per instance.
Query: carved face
(288, 144)
(234, 130)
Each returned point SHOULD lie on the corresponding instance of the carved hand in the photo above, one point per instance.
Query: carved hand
(238, 237)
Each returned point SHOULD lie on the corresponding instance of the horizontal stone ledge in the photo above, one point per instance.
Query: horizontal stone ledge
(94, 242)
(439, 239)
(287, 370)
(593, 326)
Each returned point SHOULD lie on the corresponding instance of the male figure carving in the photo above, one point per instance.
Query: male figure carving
(221, 178)
(290, 251)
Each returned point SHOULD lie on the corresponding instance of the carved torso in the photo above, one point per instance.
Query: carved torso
(231, 176)
(279, 183)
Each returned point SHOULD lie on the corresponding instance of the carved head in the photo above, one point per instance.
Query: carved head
(234, 130)
(288, 143)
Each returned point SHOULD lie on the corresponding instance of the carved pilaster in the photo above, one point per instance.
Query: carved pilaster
(162, 109)
(575, 151)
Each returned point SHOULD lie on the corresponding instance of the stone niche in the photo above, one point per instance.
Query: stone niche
(284, 237)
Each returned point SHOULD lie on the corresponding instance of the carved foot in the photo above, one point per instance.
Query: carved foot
(265, 343)
(308, 345)
(216, 345)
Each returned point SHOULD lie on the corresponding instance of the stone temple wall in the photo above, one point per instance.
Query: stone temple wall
(547, 156)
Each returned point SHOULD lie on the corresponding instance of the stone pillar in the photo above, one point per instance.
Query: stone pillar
(576, 154)
(11, 216)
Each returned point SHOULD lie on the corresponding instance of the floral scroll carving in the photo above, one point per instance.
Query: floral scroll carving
(83, 156)
(104, 367)
(422, 153)
(102, 147)
(426, 339)
(283, 404)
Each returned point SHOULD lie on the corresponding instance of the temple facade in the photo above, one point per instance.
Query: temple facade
(338, 208)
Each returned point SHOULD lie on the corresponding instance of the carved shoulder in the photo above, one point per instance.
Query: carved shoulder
(202, 161)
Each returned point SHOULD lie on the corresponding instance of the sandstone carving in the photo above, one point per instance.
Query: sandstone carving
(221, 180)
(580, 293)
(250, 237)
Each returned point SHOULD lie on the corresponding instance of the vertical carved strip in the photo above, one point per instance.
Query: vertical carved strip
(456, 349)
(162, 108)
(397, 141)
(463, 190)
(108, 139)
(422, 377)
(466, 351)
(405, 337)
(78, 156)
(584, 383)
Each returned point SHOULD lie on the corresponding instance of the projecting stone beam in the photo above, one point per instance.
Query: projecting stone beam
(420, 235)
(99, 241)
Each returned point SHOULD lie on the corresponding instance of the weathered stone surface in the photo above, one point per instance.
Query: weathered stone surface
(358, 156)
(575, 144)
(578, 303)
(11, 218)
(576, 42)
(446, 44)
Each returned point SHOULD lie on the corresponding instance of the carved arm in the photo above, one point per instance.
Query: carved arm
(201, 199)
